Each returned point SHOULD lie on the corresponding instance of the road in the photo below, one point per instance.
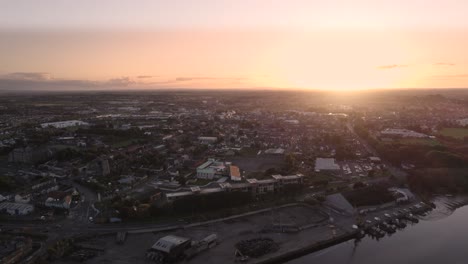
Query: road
(395, 171)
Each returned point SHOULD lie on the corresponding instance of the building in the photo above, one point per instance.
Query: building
(326, 164)
(262, 186)
(399, 132)
(98, 167)
(29, 155)
(169, 248)
(64, 124)
(288, 180)
(59, 200)
(171, 197)
(22, 198)
(207, 140)
(234, 173)
(253, 186)
(16, 208)
(211, 169)
(21, 155)
(275, 151)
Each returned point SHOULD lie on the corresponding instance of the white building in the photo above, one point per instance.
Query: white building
(211, 169)
(16, 208)
(326, 164)
(400, 132)
(275, 151)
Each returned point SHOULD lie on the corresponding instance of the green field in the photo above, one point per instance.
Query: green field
(458, 133)
(419, 141)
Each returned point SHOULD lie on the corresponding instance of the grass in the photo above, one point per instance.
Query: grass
(248, 152)
(458, 133)
(419, 141)
(202, 182)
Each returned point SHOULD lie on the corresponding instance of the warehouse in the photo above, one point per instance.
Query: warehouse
(16, 208)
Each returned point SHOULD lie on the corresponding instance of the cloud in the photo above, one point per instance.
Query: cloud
(392, 66)
(185, 79)
(32, 81)
(29, 76)
(122, 81)
(444, 64)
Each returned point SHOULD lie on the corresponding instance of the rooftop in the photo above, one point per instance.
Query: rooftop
(326, 164)
(166, 243)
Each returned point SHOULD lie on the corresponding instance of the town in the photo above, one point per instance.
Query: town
(220, 176)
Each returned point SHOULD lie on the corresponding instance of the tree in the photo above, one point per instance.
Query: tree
(290, 162)
(358, 185)
(181, 180)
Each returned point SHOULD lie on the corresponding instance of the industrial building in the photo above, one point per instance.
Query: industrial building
(16, 208)
(399, 132)
(212, 169)
(253, 186)
(169, 248)
(326, 164)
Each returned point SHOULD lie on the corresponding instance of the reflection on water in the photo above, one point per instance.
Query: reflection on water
(440, 237)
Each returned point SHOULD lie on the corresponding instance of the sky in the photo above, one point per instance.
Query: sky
(294, 44)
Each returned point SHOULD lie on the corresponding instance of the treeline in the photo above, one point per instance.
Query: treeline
(211, 202)
(439, 180)
(427, 156)
(369, 196)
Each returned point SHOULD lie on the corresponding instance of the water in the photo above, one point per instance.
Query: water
(440, 237)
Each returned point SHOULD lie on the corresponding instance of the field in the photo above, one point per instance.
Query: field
(258, 163)
(419, 141)
(458, 133)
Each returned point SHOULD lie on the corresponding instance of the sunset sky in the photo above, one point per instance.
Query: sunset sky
(301, 44)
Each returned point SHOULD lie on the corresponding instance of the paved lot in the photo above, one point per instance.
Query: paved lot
(229, 233)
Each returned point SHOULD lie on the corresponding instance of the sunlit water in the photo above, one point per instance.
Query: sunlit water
(441, 237)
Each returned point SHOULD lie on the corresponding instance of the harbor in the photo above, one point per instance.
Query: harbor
(273, 235)
(438, 237)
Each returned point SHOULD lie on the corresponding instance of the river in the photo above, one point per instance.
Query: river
(441, 237)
